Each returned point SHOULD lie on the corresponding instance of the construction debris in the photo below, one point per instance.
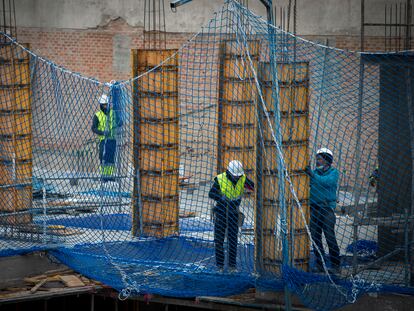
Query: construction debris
(50, 281)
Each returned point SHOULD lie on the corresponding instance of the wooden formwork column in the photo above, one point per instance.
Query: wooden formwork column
(236, 110)
(15, 136)
(156, 143)
(293, 81)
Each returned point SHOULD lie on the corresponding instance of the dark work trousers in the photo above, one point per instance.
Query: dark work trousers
(107, 150)
(323, 220)
(225, 218)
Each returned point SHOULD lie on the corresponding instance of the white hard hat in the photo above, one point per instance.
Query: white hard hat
(236, 168)
(325, 150)
(103, 99)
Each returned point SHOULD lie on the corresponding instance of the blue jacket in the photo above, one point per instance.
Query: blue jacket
(323, 186)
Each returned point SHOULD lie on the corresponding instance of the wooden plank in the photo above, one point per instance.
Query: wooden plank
(71, 281)
(38, 285)
(59, 292)
(36, 279)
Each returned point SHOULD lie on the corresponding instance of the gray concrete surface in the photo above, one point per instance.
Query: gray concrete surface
(14, 269)
(315, 17)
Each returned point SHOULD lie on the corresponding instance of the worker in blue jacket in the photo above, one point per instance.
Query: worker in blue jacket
(323, 188)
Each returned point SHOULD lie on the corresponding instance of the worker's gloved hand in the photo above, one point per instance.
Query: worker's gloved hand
(308, 171)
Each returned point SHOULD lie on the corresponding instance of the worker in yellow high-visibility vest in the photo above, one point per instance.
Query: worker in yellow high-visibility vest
(104, 125)
(227, 191)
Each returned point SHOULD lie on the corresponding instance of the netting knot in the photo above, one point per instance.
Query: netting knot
(124, 294)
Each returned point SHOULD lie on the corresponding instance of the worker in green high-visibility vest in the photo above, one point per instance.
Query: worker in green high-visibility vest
(227, 190)
(104, 125)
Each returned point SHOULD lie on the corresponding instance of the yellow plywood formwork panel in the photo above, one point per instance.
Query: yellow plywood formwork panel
(292, 97)
(158, 107)
(152, 58)
(298, 155)
(286, 72)
(240, 136)
(160, 211)
(271, 215)
(162, 80)
(14, 199)
(159, 158)
(300, 182)
(159, 184)
(299, 216)
(295, 155)
(240, 68)
(15, 172)
(7, 200)
(10, 51)
(22, 98)
(237, 48)
(298, 71)
(159, 132)
(298, 245)
(16, 147)
(275, 266)
(156, 139)
(239, 113)
(15, 220)
(239, 90)
(14, 73)
(14, 98)
(7, 101)
(15, 123)
(160, 230)
(293, 127)
(7, 51)
(24, 197)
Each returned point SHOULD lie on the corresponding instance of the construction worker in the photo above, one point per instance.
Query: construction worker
(104, 124)
(227, 191)
(323, 188)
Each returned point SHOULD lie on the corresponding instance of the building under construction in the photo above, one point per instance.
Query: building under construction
(177, 154)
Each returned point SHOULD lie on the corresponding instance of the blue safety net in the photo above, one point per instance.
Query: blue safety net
(247, 158)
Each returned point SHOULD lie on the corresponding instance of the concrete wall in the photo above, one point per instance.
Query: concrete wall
(79, 14)
(315, 17)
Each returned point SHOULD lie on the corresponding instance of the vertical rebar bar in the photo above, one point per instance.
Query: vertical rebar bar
(385, 28)
(396, 28)
(321, 93)
(362, 24)
(154, 25)
(4, 17)
(391, 29)
(357, 192)
(407, 41)
(399, 26)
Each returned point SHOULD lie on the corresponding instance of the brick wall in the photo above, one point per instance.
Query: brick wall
(92, 52)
